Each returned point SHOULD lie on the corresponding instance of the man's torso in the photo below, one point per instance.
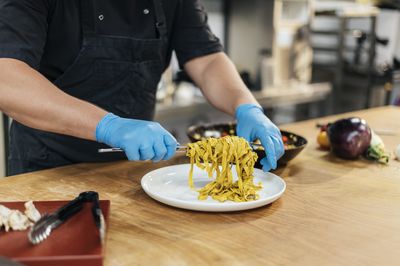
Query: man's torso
(127, 18)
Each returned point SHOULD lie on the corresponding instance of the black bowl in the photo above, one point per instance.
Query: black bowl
(295, 142)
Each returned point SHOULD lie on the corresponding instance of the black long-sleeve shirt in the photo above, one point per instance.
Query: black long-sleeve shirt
(46, 34)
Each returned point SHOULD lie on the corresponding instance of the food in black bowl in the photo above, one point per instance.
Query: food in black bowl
(294, 143)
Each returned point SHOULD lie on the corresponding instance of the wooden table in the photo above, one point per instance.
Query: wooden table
(334, 212)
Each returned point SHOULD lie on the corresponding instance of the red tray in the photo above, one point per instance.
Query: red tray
(75, 242)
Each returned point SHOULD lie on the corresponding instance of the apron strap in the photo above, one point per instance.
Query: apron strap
(87, 18)
(161, 24)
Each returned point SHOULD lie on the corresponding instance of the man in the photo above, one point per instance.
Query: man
(79, 75)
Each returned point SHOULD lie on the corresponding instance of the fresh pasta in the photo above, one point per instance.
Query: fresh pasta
(218, 156)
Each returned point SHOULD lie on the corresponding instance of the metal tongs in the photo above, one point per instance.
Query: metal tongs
(108, 150)
(253, 145)
(42, 229)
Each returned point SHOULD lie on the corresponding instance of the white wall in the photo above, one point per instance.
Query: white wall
(216, 18)
(2, 155)
(386, 28)
(251, 29)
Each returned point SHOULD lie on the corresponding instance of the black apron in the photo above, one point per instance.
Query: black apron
(117, 73)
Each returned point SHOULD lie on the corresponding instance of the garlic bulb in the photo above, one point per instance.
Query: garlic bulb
(397, 152)
(16, 220)
(31, 212)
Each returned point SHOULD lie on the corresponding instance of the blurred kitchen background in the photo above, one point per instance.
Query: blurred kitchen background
(301, 58)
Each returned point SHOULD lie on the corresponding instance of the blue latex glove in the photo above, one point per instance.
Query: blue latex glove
(252, 124)
(141, 140)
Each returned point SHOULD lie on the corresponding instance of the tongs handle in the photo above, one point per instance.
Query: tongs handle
(253, 145)
(69, 209)
(108, 150)
(76, 205)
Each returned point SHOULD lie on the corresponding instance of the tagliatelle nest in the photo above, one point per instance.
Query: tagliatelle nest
(219, 156)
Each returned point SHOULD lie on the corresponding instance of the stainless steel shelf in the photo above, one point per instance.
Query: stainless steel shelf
(291, 94)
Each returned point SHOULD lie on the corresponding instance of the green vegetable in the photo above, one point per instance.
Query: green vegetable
(378, 154)
(376, 150)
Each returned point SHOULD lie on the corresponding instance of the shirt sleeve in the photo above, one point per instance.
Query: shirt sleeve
(192, 36)
(23, 28)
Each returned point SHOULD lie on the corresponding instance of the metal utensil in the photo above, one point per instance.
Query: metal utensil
(48, 222)
(179, 148)
(108, 150)
(42, 229)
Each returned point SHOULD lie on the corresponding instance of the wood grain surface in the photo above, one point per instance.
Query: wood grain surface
(334, 212)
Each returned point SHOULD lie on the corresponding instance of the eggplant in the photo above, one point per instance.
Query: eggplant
(350, 137)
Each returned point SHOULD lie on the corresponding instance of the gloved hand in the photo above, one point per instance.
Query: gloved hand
(141, 140)
(252, 124)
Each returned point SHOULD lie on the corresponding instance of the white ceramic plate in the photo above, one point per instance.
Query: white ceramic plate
(169, 185)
